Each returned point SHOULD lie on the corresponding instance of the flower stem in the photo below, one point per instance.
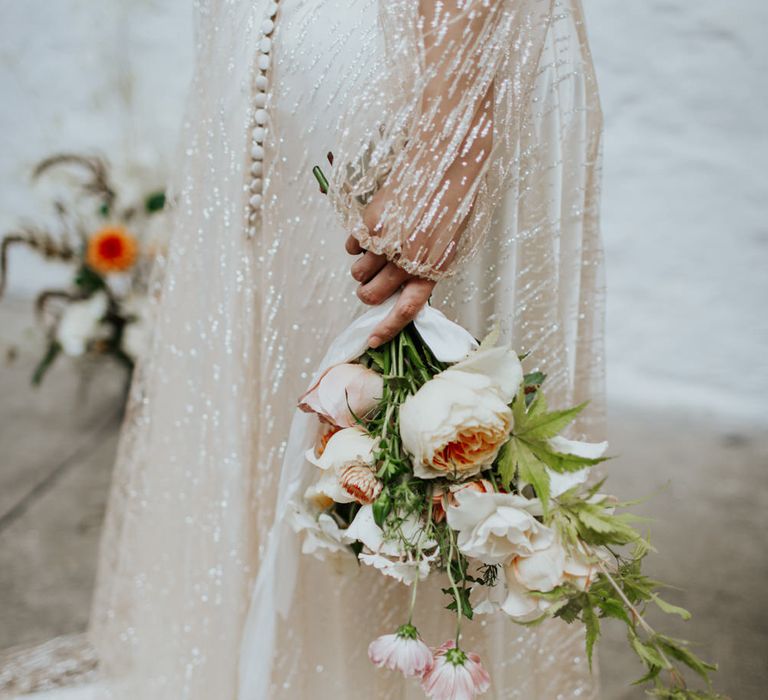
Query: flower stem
(413, 600)
(456, 597)
(635, 612)
(414, 357)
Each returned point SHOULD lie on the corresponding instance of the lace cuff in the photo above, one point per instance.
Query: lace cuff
(422, 184)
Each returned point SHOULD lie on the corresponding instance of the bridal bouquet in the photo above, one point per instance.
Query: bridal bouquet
(436, 455)
(104, 233)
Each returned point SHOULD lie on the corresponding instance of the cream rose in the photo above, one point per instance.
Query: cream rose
(322, 535)
(456, 423)
(495, 527)
(348, 462)
(344, 392)
(388, 554)
(541, 571)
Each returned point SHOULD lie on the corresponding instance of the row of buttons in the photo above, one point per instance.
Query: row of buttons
(259, 131)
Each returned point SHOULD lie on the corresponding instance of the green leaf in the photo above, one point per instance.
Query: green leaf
(88, 280)
(532, 471)
(647, 652)
(592, 629)
(534, 379)
(612, 607)
(559, 461)
(507, 462)
(537, 409)
(599, 522)
(599, 527)
(671, 609)
(382, 507)
(466, 606)
(570, 611)
(518, 409)
(154, 202)
(676, 649)
(547, 425)
(653, 672)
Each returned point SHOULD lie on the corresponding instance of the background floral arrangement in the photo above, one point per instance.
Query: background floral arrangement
(105, 234)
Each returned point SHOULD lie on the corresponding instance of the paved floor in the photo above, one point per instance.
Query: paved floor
(708, 483)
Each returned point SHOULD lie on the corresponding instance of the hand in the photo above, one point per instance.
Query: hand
(379, 279)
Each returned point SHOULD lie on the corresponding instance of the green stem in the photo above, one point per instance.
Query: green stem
(415, 358)
(424, 533)
(635, 612)
(413, 600)
(51, 354)
(455, 588)
(322, 181)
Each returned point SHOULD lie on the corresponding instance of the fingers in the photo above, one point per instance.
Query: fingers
(383, 285)
(415, 294)
(352, 246)
(365, 268)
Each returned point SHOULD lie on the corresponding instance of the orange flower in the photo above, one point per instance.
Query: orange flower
(112, 249)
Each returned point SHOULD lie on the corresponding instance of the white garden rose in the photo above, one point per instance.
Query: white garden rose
(455, 424)
(79, 323)
(347, 447)
(388, 555)
(345, 391)
(542, 571)
(406, 571)
(511, 598)
(326, 491)
(322, 535)
(348, 462)
(495, 527)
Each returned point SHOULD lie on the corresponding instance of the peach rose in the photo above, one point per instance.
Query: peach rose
(343, 392)
(456, 423)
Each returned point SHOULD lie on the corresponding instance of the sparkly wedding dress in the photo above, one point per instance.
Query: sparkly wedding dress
(256, 285)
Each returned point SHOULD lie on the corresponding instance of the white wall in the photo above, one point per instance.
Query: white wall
(686, 199)
(685, 212)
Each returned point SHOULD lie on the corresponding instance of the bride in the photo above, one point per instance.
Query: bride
(466, 141)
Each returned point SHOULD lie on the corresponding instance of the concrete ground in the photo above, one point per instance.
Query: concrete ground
(707, 478)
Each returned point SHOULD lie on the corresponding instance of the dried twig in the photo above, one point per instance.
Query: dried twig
(45, 296)
(36, 239)
(98, 183)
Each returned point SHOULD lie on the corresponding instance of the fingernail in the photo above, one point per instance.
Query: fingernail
(374, 341)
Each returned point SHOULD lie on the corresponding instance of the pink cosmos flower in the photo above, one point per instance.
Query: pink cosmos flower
(455, 675)
(402, 651)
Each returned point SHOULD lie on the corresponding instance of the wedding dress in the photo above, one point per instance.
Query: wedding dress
(256, 285)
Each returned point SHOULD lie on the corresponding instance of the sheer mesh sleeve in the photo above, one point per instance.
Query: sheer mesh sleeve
(422, 186)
